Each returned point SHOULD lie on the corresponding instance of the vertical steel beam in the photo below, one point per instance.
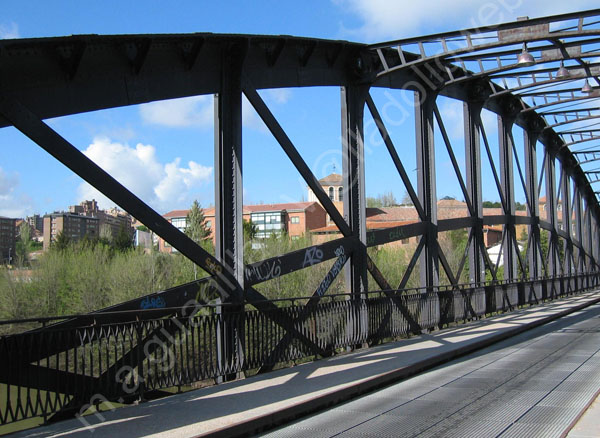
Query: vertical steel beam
(592, 237)
(587, 236)
(531, 181)
(551, 216)
(472, 121)
(565, 188)
(508, 191)
(581, 259)
(429, 261)
(353, 99)
(353, 103)
(229, 237)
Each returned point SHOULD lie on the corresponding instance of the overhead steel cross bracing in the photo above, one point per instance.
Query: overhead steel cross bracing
(44, 78)
(481, 64)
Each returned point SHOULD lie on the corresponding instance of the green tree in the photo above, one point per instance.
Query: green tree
(519, 206)
(406, 199)
(106, 234)
(374, 202)
(23, 246)
(196, 228)
(490, 204)
(382, 200)
(61, 241)
(250, 231)
(123, 241)
(454, 244)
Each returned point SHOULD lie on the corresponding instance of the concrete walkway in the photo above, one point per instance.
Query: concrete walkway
(588, 425)
(247, 406)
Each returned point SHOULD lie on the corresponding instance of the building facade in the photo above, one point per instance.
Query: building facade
(295, 219)
(8, 239)
(36, 222)
(333, 186)
(73, 226)
(111, 221)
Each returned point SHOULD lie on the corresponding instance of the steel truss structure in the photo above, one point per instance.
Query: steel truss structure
(44, 78)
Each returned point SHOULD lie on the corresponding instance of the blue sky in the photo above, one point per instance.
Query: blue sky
(163, 151)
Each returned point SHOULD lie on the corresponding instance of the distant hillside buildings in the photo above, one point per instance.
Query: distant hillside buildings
(295, 219)
(85, 219)
(301, 218)
(8, 238)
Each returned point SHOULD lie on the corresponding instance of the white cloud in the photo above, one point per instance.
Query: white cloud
(198, 111)
(278, 95)
(178, 181)
(12, 203)
(382, 19)
(195, 111)
(9, 31)
(163, 186)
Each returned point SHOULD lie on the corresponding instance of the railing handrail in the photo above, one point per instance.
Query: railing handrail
(173, 311)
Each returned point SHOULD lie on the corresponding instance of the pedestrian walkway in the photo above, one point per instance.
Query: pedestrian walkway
(534, 384)
(588, 425)
(248, 406)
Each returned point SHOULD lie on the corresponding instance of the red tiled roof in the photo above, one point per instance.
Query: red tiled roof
(382, 214)
(390, 224)
(543, 200)
(176, 213)
(247, 209)
(500, 212)
(210, 211)
(290, 206)
(451, 203)
(333, 179)
(370, 226)
(387, 214)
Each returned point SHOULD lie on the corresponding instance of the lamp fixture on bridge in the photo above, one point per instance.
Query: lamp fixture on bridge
(562, 72)
(525, 59)
(587, 88)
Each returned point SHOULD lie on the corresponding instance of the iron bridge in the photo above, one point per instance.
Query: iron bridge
(540, 75)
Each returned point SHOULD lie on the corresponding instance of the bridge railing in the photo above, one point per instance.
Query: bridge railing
(67, 369)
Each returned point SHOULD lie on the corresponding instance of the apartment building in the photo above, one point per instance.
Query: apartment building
(112, 219)
(8, 239)
(294, 218)
(36, 222)
(74, 226)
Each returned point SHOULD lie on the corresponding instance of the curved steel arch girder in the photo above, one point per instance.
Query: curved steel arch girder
(85, 73)
(69, 75)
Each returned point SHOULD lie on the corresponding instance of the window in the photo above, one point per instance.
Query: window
(208, 224)
(331, 193)
(179, 222)
(341, 194)
(295, 219)
(268, 223)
